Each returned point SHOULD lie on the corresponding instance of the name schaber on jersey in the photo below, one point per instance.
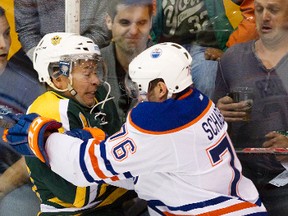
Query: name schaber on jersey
(213, 124)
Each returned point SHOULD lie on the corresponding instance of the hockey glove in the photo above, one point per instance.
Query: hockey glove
(27, 135)
(17, 136)
(39, 131)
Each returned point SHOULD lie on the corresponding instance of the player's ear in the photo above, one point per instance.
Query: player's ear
(162, 90)
(60, 82)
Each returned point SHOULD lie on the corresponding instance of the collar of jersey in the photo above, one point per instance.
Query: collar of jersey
(171, 115)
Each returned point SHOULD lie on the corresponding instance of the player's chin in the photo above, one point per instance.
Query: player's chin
(90, 103)
(89, 100)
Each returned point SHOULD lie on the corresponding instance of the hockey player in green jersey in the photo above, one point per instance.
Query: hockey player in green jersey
(71, 66)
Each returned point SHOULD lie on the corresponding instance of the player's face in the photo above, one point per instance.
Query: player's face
(272, 19)
(85, 80)
(5, 42)
(130, 28)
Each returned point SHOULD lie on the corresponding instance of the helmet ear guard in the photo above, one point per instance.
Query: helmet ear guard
(64, 68)
(168, 61)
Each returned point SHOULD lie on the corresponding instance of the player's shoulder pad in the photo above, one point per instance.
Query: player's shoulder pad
(170, 115)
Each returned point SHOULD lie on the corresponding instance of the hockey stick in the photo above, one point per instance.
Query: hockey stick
(72, 16)
(275, 151)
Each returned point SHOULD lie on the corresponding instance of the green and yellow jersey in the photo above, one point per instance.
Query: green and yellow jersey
(58, 196)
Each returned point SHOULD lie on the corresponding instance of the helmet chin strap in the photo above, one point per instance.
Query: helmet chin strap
(72, 91)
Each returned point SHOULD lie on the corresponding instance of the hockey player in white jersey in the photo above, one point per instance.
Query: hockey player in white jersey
(174, 149)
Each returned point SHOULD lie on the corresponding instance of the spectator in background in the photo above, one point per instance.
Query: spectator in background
(203, 28)
(34, 19)
(18, 88)
(263, 67)
(129, 22)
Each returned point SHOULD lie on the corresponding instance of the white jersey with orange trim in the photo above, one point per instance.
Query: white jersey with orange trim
(176, 154)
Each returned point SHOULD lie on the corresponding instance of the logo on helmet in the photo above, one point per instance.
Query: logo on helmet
(56, 40)
(156, 53)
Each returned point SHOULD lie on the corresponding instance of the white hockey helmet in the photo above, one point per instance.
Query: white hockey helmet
(168, 61)
(61, 48)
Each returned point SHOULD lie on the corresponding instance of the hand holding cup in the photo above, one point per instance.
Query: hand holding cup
(243, 95)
